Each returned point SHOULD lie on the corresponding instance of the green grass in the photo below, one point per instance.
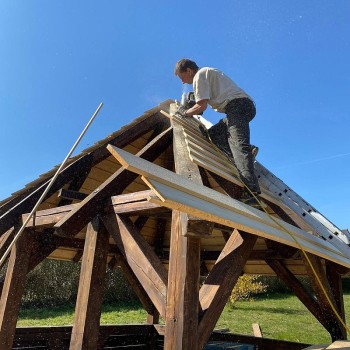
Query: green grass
(280, 316)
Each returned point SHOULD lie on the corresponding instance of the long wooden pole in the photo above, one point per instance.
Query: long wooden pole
(18, 234)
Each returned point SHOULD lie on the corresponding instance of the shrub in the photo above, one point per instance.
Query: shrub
(54, 282)
(246, 286)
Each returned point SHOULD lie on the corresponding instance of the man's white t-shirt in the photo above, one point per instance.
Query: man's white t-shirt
(213, 85)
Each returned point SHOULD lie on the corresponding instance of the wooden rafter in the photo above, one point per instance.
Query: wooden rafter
(141, 258)
(72, 223)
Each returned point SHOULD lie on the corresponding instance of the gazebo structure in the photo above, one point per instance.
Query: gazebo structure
(158, 200)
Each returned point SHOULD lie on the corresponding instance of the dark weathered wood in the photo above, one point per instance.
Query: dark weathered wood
(115, 184)
(333, 325)
(217, 288)
(6, 239)
(298, 289)
(13, 288)
(184, 263)
(86, 323)
(140, 257)
(48, 217)
(70, 195)
(336, 284)
(183, 285)
(159, 237)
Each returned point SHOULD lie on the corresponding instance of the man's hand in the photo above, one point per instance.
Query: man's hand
(181, 112)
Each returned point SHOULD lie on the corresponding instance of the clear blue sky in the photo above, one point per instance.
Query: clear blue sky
(60, 59)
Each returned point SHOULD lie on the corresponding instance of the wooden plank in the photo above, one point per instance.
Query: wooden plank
(13, 288)
(236, 218)
(218, 286)
(95, 202)
(141, 258)
(166, 177)
(256, 330)
(86, 323)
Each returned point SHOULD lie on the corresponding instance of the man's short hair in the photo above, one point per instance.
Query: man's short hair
(183, 64)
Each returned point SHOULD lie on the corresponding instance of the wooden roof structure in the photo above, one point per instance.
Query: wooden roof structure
(158, 200)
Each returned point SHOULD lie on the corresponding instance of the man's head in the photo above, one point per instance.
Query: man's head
(186, 69)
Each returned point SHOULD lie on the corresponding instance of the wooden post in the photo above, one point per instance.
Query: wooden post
(334, 326)
(91, 287)
(184, 264)
(13, 288)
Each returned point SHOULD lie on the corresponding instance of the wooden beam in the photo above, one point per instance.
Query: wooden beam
(70, 195)
(334, 326)
(13, 288)
(183, 283)
(75, 221)
(336, 284)
(177, 192)
(141, 258)
(6, 239)
(218, 286)
(86, 323)
(184, 262)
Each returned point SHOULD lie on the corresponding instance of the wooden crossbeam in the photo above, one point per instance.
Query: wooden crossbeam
(13, 288)
(77, 218)
(70, 195)
(86, 323)
(141, 258)
(217, 288)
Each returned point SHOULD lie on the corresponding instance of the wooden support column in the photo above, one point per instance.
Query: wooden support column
(222, 278)
(334, 326)
(336, 284)
(184, 264)
(91, 287)
(13, 288)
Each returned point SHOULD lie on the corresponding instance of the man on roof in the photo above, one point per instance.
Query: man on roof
(232, 133)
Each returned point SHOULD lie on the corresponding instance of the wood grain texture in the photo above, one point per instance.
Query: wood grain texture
(141, 258)
(86, 323)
